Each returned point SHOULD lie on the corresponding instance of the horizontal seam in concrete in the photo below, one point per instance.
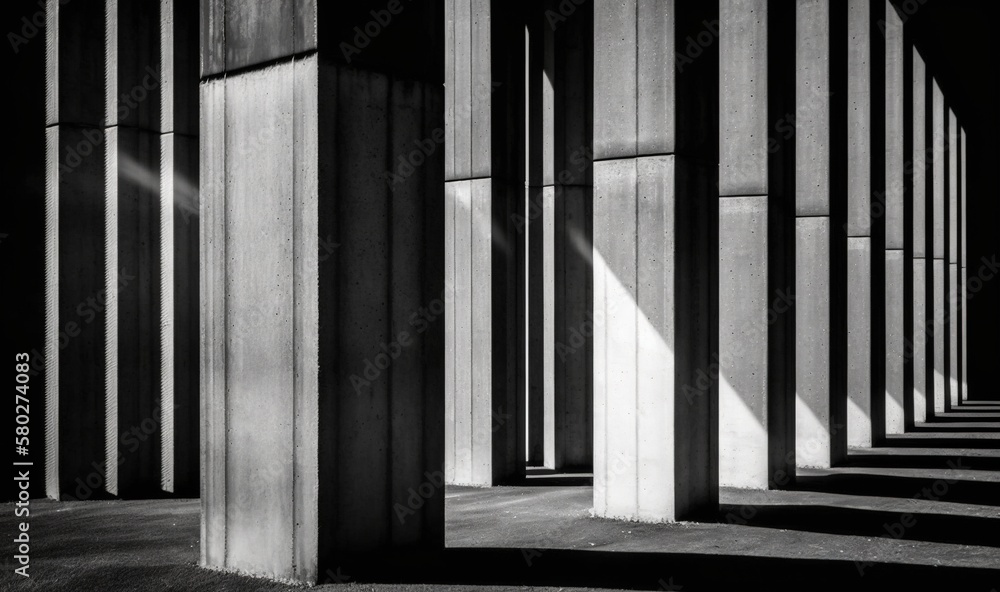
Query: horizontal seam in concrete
(746, 195)
(180, 135)
(468, 179)
(75, 124)
(133, 127)
(259, 66)
(826, 216)
(894, 249)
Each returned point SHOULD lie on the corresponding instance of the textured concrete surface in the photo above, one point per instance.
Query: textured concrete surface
(922, 354)
(756, 402)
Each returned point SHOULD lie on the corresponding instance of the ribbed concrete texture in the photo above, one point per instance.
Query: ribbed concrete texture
(485, 372)
(178, 233)
(655, 415)
(322, 301)
(75, 294)
(898, 271)
(820, 241)
(921, 323)
(559, 222)
(939, 301)
(756, 225)
(132, 347)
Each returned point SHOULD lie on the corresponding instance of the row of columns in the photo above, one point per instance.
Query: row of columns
(821, 187)
(120, 364)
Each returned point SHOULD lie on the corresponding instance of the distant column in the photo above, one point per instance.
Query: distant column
(939, 388)
(954, 268)
(76, 425)
(898, 274)
(922, 233)
(963, 258)
(756, 259)
(134, 413)
(655, 145)
(820, 245)
(484, 200)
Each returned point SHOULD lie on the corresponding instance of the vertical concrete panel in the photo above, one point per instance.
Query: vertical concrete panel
(656, 89)
(451, 292)
(305, 224)
(813, 419)
(482, 89)
(462, 120)
(812, 121)
(921, 340)
(656, 252)
(859, 342)
(364, 256)
(615, 72)
(548, 329)
(213, 323)
(463, 393)
(260, 312)
(744, 444)
(615, 334)
(51, 374)
(895, 341)
(743, 149)
(484, 425)
(940, 383)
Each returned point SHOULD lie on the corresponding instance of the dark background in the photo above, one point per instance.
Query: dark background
(956, 39)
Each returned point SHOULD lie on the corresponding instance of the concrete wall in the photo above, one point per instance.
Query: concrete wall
(939, 387)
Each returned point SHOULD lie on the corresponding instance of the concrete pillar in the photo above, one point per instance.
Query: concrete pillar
(820, 196)
(655, 422)
(867, 218)
(178, 233)
(921, 366)
(134, 415)
(954, 271)
(560, 190)
(898, 274)
(484, 75)
(75, 297)
(938, 390)
(322, 285)
(962, 258)
(756, 225)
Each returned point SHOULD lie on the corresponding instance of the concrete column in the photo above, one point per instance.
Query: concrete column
(922, 319)
(867, 213)
(954, 271)
(938, 389)
(756, 260)
(134, 415)
(75, 296)
(820, 196)
(655, 432)
(898, 274)
(560, 180)
(178, 233)
(963, 257)
(322, 285)
(484, 75)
